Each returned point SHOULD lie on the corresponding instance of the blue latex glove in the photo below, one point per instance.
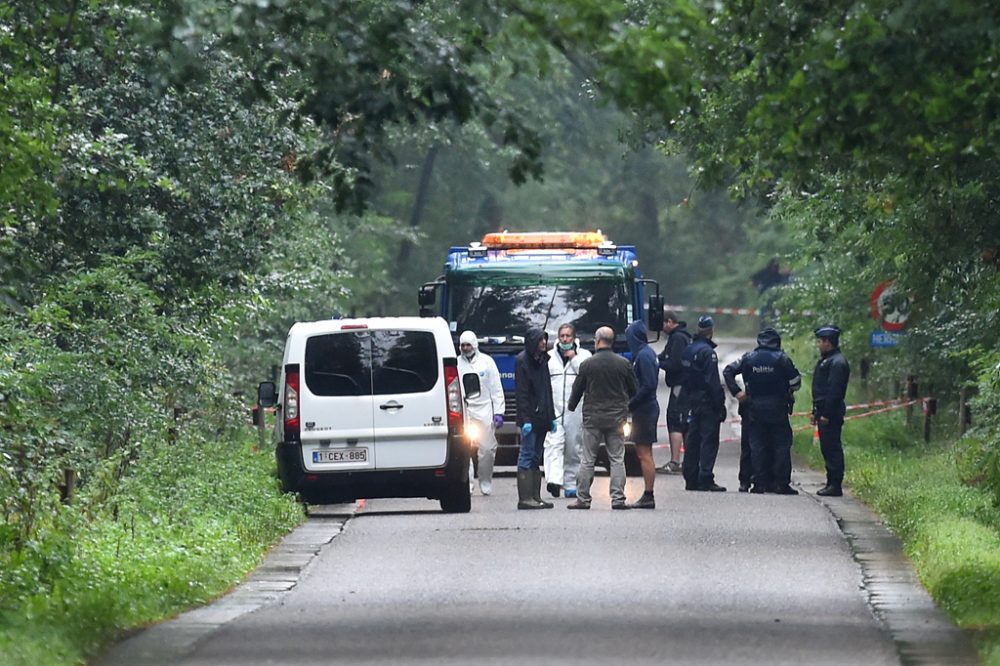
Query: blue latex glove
(497, 420)
(555, 426)
(525, 429)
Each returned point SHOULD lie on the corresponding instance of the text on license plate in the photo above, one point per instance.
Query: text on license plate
(341, 456)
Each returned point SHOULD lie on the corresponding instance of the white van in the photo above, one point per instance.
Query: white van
(371, 408)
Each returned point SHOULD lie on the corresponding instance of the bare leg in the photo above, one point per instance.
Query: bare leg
(645, 454)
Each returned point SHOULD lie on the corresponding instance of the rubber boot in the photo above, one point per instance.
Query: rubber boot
(525, 480)
(536, 490)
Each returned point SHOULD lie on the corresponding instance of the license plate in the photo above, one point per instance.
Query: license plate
(358, 455)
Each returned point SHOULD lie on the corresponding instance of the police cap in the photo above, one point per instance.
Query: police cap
(828, 332)
(705, 322)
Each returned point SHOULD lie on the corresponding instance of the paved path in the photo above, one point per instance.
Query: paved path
(705, 578)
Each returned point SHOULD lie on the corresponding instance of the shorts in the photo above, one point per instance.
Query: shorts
(644, 423)
(676, 414)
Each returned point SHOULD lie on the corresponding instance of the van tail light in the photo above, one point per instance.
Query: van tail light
(453, 396)
(290, 409)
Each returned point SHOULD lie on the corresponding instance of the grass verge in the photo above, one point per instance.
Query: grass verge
(187, 525)
(950, 530)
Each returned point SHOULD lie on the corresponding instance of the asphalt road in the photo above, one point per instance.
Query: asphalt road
(705, 578)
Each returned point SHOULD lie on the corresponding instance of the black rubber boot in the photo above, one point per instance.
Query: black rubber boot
(536, 490)
(525, 496)
(644, 502)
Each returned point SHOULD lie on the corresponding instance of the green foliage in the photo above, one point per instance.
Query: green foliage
(951, 531)
(980, 449)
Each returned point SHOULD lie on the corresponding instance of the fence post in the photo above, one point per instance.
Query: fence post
(912, 393)
(930, 409)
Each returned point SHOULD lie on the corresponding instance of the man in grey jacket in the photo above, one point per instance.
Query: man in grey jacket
(609, 383)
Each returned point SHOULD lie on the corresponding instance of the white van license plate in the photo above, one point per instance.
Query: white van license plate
(359, 455)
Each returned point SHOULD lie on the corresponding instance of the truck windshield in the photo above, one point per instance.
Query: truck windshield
(504, 313)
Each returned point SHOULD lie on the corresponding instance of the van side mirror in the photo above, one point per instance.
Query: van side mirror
(654, 314)
(471, 385)
(266, 394)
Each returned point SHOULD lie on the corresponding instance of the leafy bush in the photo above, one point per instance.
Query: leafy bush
(980, 452)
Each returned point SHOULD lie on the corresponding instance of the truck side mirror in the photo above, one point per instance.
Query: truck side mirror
(470, 382)
(426, 295)
(655, 313)
(266, 395)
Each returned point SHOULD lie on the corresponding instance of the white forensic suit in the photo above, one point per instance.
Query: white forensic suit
(481, 410)
(562, 447)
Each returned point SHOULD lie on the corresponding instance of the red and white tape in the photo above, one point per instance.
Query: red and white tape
(753, 312)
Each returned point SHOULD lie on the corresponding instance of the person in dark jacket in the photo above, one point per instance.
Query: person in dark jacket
(644, 408)
(678, 338)
(829, 389)
(609, 383)
(771, 380)
(535, 416)
(707, 402)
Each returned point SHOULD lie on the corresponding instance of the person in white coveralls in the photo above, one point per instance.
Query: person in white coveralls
(483, 412)
(562, 445)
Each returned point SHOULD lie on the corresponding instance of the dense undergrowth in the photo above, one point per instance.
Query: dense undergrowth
(188, 523)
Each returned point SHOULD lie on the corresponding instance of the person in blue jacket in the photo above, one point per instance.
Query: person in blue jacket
(707, 402)
(771, 379)
(644, 408)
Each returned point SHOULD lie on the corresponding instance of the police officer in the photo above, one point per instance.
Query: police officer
(707, 402)
(829, 388)
(771, 380)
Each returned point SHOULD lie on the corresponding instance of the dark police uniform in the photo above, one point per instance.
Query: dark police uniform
(771, 378)
(829, 388)
(707, 402)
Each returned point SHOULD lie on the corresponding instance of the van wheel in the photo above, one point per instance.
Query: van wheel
(458, 499)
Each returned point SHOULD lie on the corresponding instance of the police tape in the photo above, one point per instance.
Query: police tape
(863, 405)
(753, 312)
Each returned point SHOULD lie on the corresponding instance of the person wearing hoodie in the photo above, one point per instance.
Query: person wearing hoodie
(562, 446)
(707, 401)
(535, 416)
(644, 408)
(678, 338)
(771, 381)
(609, 383)
(483, 411)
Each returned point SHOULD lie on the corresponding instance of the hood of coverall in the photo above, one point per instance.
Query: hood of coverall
(635, 335)
(470, 337)
(769, 338)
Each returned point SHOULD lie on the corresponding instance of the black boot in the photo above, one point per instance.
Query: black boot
(525, 479)
(536, 490)
(830, 490)
(644, 502)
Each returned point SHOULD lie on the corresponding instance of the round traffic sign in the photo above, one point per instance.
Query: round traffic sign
(890, 307)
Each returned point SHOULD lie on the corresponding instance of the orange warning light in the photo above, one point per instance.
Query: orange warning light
(554, 240)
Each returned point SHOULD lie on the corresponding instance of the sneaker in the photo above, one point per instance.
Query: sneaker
(757, 490)
(744, 487)
(644, 502)
(570, 493)
(830, 491)
(712, 487)
(553, 489)
(620, 506)
(578, 504)
(486, 487)
(672, 467)
(785, 490)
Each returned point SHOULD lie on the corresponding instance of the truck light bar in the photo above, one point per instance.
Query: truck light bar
(552, 240)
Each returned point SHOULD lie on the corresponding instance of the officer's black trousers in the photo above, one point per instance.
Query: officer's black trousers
(771, 453)
(746, 459)
(701, 448)
(833, 451)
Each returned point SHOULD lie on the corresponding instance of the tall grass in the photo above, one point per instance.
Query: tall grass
(186, 526)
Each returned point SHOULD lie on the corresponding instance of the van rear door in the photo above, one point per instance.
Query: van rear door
(336, 405)
(410, 409)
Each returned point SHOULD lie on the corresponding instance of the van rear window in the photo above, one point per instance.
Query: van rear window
(339, 364)
(404, 362)
(366, 362)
